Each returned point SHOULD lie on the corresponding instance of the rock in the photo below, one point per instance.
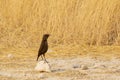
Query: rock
(10, 56)
(99, 66)
(76, 66)
(43, 66)
(84, 67)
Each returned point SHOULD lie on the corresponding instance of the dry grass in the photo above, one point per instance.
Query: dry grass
(84, 22)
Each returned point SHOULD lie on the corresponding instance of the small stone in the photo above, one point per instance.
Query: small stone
(10, 56)
(84, 67)
(75, 66)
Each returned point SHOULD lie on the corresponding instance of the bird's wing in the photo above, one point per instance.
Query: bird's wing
(42, 46)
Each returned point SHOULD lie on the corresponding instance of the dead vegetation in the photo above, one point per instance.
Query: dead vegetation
(93, 22)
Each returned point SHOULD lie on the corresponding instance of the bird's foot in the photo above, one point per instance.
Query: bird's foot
(46, 61)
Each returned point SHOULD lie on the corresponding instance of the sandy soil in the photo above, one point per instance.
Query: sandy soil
(72, 68)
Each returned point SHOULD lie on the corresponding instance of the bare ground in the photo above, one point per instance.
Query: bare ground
(16, 67)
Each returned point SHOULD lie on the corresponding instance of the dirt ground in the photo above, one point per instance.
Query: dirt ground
(20, 64)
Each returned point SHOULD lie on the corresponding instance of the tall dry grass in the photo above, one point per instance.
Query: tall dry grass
(81, 22)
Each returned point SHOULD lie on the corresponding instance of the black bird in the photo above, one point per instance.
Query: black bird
(43, 47)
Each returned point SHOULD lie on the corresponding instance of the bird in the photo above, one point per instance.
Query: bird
(43, 47)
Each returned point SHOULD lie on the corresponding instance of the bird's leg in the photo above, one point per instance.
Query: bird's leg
(41, 57)
(45, 58)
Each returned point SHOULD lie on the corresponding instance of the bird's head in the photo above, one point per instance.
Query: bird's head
(45, 36)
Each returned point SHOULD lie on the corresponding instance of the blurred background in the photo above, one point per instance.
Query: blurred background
(70, 22)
